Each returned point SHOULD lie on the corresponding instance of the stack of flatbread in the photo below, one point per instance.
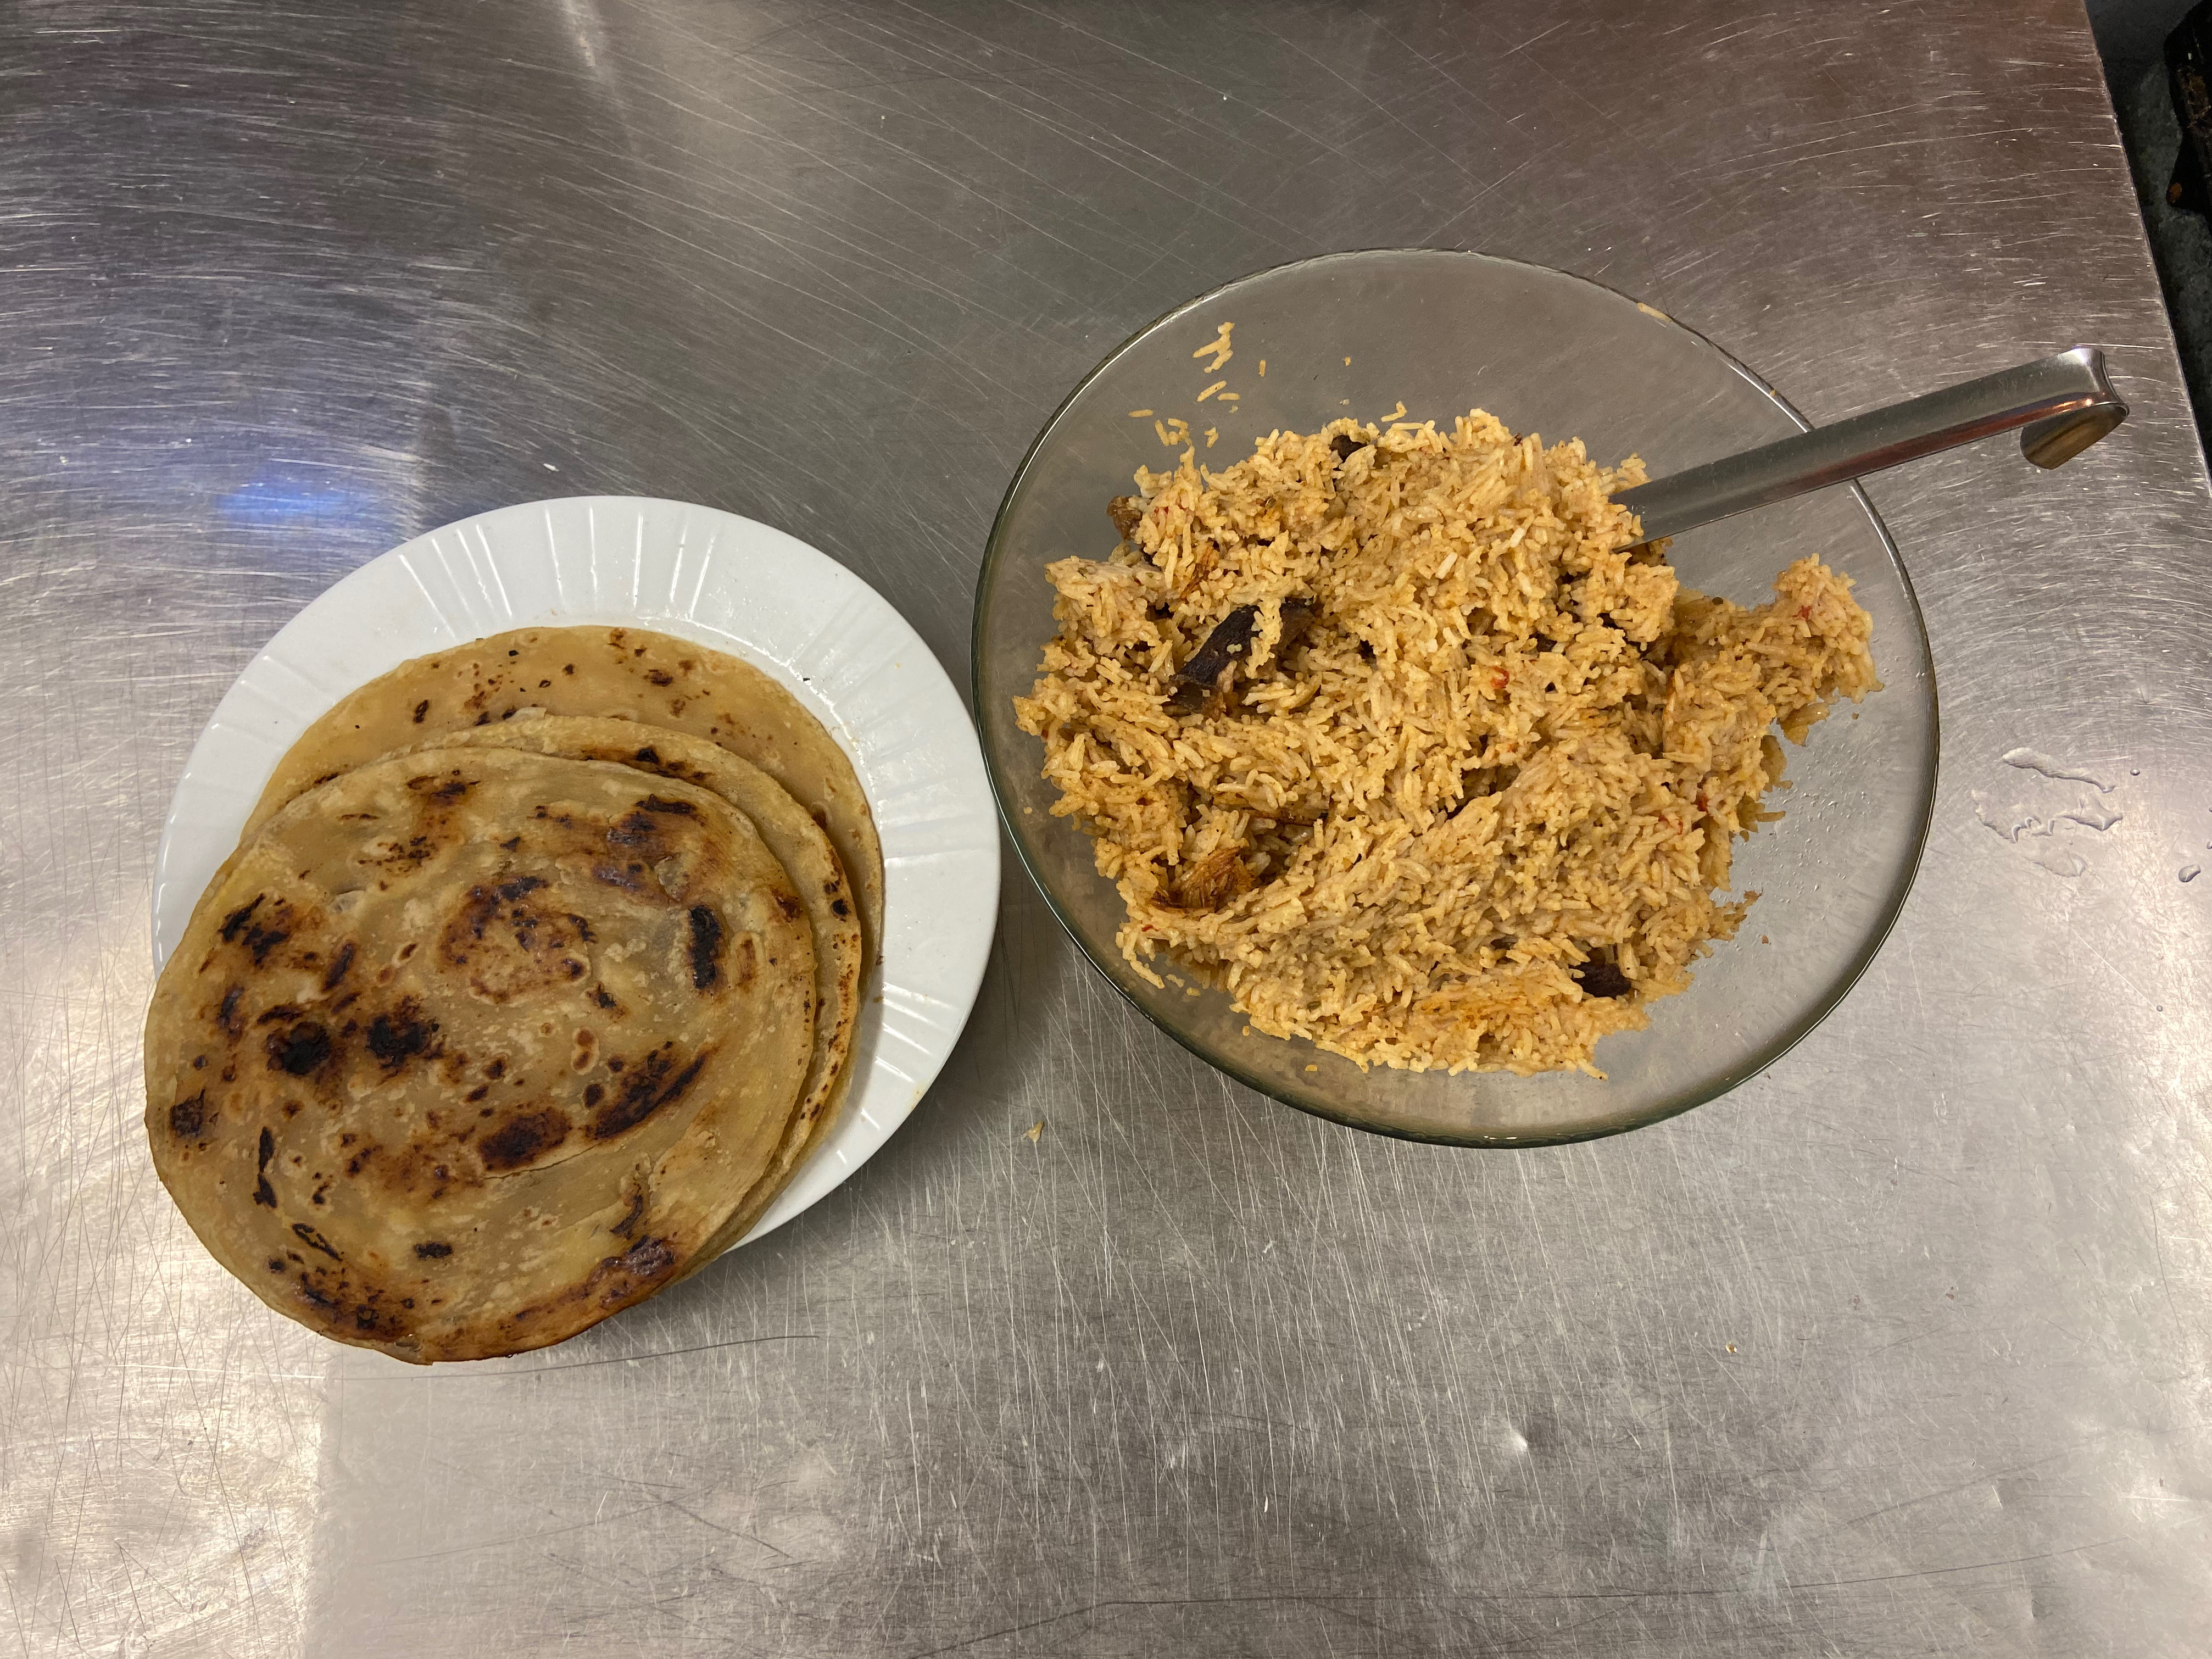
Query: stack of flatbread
(531, 983)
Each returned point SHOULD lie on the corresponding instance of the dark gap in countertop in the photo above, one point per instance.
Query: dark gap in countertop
(2131, 33)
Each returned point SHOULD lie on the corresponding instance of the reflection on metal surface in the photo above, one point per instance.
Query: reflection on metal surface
(1901, 1347)
(588, 33)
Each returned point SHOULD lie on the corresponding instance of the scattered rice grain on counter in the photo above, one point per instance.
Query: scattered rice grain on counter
(1398, 737)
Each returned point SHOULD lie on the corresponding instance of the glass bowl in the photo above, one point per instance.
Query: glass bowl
(1355, 333)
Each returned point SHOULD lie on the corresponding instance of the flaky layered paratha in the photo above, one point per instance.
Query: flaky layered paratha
(800, 846)
(469, 1048)
(629, 672)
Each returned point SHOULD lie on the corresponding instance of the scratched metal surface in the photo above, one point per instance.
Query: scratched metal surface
(1902, 1348)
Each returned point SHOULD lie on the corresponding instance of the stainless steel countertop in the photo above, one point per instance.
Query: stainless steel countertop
(1904, 1347)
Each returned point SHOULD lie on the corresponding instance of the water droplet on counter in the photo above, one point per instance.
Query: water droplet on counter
(2191, 871)
(2095, 816)
(2029, 760)
(2059, 859)
(2017, 824)
(2007, 826)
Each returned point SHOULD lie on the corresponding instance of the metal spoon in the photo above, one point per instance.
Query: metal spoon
(2064, 403)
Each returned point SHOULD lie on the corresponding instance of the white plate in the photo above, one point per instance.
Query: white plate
(727, 583)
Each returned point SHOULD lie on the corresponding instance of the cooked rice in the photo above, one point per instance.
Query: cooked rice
(1480, 814)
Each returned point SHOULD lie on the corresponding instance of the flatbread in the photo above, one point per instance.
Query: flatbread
(469, 1048)
(629, 672)
(800, 846)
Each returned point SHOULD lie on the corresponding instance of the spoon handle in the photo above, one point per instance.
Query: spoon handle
(2064, 404)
